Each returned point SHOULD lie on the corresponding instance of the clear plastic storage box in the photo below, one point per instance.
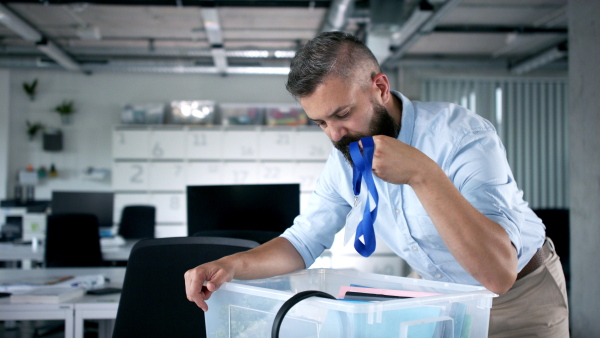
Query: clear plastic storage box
(248, 308)
(192, 112)
(240, 114)
(285, 115)
(143, 113)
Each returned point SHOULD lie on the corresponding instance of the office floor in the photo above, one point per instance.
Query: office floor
(27, 329)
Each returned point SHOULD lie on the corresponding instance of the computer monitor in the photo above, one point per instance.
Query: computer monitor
(242, 208)
(97, 203)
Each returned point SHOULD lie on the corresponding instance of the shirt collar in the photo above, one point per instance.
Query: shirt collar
(408, 118)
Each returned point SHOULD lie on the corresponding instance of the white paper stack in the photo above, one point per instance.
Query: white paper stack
(82, 281)
(48, 295)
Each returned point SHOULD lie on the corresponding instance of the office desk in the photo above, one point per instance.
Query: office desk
(102, 308)
(25, 253)
(74, 312)
(12, 312)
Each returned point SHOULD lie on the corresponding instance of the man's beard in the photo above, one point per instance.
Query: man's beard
(381, 124)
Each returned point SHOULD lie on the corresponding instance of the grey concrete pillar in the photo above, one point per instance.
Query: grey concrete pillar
(584, 158)
(4, 130)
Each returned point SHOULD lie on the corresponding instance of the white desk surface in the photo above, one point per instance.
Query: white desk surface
(73, 312)
(19, 252)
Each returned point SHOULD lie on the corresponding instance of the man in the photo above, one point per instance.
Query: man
(448, 203)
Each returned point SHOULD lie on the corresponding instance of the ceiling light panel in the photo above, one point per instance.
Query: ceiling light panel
(284, 54)
(270, 45)
(259, 70)
(248, 53)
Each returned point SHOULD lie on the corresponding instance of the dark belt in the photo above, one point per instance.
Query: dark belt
(537, 260)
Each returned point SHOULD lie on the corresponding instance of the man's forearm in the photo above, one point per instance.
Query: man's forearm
(481, 246)
(273, 258)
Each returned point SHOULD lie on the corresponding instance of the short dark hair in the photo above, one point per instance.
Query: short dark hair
(329, 53)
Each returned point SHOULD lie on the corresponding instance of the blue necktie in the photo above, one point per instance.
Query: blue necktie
(363, 168)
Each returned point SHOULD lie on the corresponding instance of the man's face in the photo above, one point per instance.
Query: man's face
(381, 124)
(347, 112)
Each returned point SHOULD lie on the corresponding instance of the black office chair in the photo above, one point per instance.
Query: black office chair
(137, 221)
(253, 235)
(153, 301)
(72, 240)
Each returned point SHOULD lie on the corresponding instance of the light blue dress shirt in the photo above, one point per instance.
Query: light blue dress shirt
(468, 149)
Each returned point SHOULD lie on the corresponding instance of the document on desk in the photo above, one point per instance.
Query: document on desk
(47, 295)
(87, 282)
(28, 284)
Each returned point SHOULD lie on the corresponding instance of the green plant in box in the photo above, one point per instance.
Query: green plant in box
(65, 110)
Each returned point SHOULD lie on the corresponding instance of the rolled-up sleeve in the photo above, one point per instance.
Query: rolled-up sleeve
(480, 171)
(314, 230)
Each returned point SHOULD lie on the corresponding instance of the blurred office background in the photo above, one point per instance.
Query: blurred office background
(134, 68)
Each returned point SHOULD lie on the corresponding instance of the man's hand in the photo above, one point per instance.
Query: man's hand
(276, 257)
(203, 280)
(398, 163)
(481, 246)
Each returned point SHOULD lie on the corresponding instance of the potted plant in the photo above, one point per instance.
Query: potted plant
(65, 110)
(33, 128)
(29, 89)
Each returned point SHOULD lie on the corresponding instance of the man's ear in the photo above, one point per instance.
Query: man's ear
(381, 86)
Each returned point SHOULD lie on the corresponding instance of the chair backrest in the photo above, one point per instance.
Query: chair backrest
(153, 301)
(137, 221)
(72, 240)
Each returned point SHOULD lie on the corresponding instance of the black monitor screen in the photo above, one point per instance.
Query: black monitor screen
(97, 203)
(253, 207)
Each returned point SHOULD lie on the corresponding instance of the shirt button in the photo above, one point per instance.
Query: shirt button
(438, 275)
(397, 211)
(415, 248)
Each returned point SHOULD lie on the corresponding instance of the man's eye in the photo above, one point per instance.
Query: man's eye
(343, 115)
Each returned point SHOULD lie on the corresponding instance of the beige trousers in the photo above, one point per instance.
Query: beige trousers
(536, 305)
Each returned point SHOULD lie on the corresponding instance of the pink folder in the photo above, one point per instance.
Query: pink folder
(385, 292)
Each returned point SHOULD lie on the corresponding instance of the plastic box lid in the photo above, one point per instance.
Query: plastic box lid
(248, 308)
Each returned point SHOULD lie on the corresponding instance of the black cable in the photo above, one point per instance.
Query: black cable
(283, 310)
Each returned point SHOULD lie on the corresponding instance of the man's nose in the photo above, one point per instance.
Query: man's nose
(336, 132)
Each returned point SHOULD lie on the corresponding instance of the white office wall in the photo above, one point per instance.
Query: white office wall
(99, 99)
(4, 127)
